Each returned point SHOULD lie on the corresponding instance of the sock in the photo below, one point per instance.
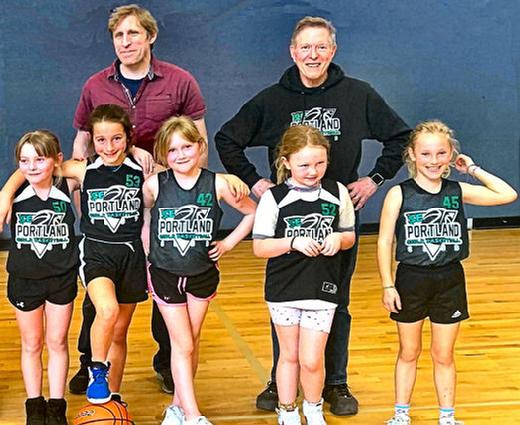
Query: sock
(446, 412)
(289, 407)
(402, 409)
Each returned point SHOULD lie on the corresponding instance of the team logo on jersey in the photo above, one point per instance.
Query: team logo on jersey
(315, 226)
(433, 230)
(321, 118)
(184, 226)
(114, 205)
(41, 230)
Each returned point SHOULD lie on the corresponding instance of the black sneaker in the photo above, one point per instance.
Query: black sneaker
(342, 402)
(164, 376)
(268, 398)
(35, 410)
(79, 382)
(56, 408)
(116, 397)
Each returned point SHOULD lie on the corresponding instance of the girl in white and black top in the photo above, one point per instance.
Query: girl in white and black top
(300, 226)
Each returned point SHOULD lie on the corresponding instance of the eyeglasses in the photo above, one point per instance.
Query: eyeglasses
(320, 48)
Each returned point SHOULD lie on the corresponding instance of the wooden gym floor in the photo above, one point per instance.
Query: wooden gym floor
(236, 349)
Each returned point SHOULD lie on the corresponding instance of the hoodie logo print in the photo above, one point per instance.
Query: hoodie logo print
(318, 117)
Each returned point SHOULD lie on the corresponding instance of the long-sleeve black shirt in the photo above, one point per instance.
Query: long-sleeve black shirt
(346, 110)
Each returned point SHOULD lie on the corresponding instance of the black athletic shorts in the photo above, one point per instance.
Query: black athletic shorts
(168, 288)
(29, 294)
(435, 292)
(123, 263)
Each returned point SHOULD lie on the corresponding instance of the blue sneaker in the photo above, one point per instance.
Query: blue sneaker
(97, 390)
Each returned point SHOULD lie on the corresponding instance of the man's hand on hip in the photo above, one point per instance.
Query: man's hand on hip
(360, 191)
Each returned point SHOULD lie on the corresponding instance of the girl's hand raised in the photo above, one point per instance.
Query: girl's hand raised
(332, 244)
(307, 246)
(463, 163)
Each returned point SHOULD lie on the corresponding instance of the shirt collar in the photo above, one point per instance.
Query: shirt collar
(154, 71)
(290, 183)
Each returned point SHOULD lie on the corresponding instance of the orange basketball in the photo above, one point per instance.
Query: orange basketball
(103, 414)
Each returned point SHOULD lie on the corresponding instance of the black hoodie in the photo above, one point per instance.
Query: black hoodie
(346, 110)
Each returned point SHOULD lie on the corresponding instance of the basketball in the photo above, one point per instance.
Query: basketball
(103, 414)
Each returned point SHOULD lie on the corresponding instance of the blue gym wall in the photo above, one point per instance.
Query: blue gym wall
(454, 60)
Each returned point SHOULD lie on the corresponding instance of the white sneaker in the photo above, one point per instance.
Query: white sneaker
(399, 420)
(450, 421)
(313, 413)
(199, 420)
(288, 418)
(173, 415)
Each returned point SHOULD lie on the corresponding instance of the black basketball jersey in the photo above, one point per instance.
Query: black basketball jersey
(112, 201)
(42, 234)
(431, 228)
(183, 224)
(295, 276)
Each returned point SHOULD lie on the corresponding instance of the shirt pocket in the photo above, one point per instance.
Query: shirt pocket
(159, 108)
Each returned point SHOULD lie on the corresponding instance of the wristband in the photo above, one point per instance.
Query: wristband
(470, 166)
(389, 287)
(291, 244)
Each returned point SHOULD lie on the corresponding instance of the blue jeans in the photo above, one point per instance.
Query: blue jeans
(336, 351)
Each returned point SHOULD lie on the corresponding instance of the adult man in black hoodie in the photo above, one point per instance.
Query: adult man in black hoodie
(316, 92)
